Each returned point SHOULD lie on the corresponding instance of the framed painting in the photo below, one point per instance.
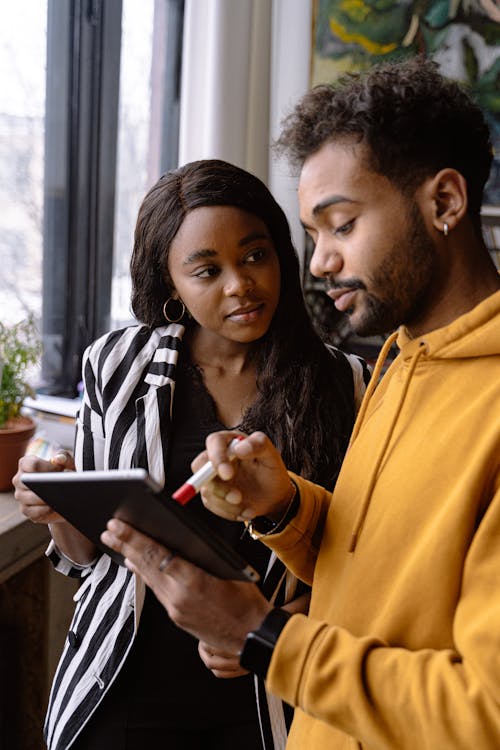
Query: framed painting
(462, 36)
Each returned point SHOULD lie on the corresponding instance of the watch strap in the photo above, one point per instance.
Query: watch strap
(259, 644)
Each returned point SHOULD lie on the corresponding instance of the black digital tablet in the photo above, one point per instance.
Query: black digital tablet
(88, 499)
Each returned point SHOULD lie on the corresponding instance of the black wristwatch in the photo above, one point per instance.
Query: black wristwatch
(259, 644)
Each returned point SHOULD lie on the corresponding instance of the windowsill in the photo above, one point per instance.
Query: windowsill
(55, 418)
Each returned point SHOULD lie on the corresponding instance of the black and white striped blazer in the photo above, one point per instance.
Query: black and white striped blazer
(124, 421)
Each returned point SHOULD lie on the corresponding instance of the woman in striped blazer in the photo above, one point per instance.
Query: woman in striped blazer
(224, 340)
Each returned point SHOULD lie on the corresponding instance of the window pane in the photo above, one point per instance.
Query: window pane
(133, 172)
(148, 123)
(22, 114)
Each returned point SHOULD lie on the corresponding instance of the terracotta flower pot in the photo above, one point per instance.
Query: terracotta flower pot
(14, 439)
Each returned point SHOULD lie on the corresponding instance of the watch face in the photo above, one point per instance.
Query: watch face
(256, 654)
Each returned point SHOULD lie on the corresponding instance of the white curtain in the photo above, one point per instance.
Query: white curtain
(245, 63)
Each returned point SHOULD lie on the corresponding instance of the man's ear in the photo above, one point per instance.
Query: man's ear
(448, 192)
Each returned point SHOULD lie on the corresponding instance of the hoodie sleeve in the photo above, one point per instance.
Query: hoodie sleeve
(298, 544)
(390, 697)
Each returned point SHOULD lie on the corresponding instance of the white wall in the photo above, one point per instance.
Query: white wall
(290, 78)
(245, 63)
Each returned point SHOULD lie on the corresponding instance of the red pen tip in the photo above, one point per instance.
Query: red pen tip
(184, 494)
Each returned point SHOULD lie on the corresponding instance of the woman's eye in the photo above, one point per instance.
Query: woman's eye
(207, 272)
(255, 255)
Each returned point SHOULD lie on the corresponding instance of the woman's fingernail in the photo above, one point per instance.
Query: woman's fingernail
(247, 514)
(60, 458)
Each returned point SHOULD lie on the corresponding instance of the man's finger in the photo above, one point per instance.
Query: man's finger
(131, 543)
(214, 496)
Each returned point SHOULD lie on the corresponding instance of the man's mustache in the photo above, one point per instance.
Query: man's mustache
(352, 284)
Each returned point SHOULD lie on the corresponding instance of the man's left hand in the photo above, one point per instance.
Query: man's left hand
(218, 612)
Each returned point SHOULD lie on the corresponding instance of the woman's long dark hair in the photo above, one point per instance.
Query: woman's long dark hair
(305, 394)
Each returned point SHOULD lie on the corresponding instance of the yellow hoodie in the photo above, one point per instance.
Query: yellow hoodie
(401, 649)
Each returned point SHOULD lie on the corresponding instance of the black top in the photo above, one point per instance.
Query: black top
(163, 679)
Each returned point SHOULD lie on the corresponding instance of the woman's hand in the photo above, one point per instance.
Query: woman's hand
(222, 664)
(252, 480)
(225, 665)
(218, 612)
(69, 540)
(32, 506)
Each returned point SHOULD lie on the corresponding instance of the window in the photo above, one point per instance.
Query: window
(147, 124)
(88, 121)
(22, 127)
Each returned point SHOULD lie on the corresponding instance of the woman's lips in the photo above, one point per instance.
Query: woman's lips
(246, 314)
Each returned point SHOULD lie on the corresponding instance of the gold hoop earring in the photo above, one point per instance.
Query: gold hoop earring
(446, 229)
(181, 310)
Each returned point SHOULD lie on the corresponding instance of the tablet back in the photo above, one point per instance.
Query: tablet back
(89, 499)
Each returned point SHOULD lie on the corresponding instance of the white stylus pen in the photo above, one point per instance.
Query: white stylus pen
(193, 485)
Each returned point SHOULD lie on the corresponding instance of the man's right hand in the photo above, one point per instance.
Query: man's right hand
(252, 481)
(32, 506)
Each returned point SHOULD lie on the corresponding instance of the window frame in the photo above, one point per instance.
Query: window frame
(83, 70)
(81, 137)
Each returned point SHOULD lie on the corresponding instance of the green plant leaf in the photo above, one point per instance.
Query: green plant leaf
(20, 349)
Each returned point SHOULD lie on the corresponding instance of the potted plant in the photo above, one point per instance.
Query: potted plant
(20, 349)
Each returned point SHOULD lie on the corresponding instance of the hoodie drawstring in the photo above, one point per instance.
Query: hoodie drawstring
(374, 380)
(373, 383)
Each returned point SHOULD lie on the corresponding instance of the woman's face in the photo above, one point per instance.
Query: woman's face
(225, 269)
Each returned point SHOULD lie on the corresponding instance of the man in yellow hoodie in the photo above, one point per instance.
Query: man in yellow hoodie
(401, 647)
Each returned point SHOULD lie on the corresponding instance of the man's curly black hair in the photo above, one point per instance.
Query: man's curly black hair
(414, 121)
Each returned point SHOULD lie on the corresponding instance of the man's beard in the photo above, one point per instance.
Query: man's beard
(401, 288)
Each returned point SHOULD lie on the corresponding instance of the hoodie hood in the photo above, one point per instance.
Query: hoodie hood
(472, 335)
